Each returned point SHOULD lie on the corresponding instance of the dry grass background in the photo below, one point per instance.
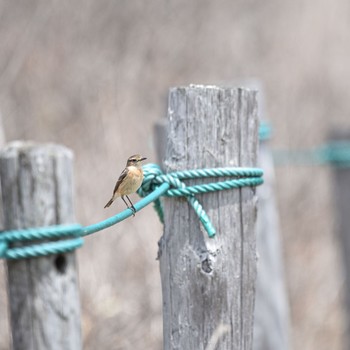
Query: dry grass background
(94, 75)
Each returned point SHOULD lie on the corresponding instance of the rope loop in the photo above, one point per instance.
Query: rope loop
(71, 233)
(153, 177)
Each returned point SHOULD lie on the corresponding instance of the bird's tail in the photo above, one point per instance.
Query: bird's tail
(109, 203)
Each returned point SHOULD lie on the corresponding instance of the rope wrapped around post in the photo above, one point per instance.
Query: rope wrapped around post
(153, 177)
(155, 185)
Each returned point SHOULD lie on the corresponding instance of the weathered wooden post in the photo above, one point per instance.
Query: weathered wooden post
(4, 329)
(43, 292)
(208, 284)
(341, 189)
(2, 144)
(271, 320)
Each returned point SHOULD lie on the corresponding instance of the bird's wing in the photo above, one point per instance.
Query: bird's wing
(120, 180)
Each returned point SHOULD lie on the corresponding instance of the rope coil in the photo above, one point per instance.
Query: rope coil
(155, 185)
(154, 176)
(42, 248)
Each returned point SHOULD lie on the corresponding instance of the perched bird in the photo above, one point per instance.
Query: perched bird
(129, 181)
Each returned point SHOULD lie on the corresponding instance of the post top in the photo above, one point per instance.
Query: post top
(212, 87)
(15, 148)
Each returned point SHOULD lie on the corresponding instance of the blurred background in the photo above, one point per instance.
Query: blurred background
(94, 76)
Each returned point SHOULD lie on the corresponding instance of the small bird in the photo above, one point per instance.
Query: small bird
(129, 181)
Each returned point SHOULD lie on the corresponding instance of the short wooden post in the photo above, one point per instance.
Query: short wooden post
(271, 320)
(43, 292)
(208, 284)
(341, 189)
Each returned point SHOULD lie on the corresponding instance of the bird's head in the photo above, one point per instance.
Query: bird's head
(135, 160)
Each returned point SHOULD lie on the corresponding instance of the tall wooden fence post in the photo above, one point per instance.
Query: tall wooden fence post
(341, 189)
(208, 284)
(2, 144)
(271, 321)
(43, 292)
(4, 326)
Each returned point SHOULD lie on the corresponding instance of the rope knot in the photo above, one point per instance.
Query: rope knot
(154, 177)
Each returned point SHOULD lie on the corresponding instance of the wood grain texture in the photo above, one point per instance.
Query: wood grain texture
(271, 320)
(208, 284)
(43, 292)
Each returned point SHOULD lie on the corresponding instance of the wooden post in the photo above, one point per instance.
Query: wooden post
(2, 144)
(271, 315)
(43, 292)
(4, 324)
(208, 284)
(341, 189)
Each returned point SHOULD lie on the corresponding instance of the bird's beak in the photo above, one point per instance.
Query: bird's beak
(143, 158)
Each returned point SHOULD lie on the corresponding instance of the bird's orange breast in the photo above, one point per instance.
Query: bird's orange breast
(132, 181)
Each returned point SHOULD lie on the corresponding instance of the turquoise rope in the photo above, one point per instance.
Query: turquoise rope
(44, 248)
(155, 185)
(265, 131)
(154, 176)
(88, 230)
(335, 153)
